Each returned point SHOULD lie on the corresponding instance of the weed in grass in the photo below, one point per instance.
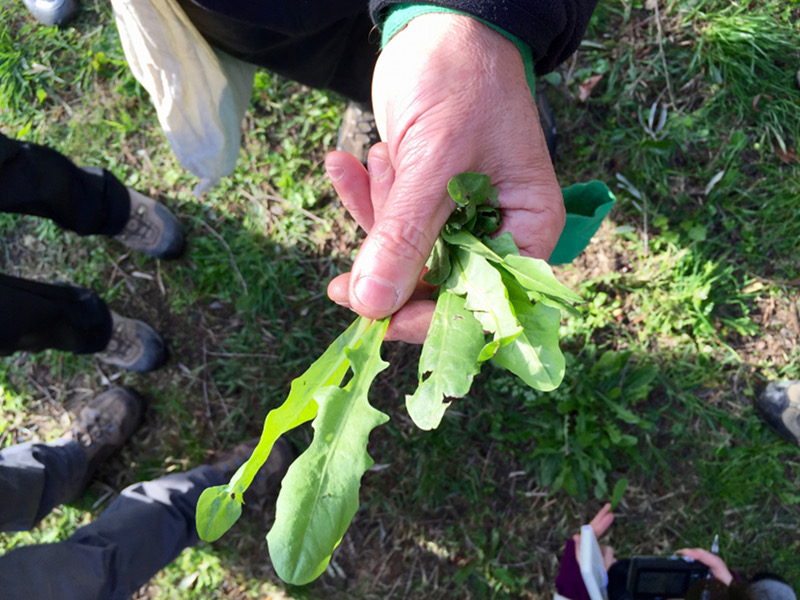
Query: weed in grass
(574, 437)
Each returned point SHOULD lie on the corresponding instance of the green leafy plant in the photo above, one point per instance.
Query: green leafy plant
(587, 435)
(492, 304)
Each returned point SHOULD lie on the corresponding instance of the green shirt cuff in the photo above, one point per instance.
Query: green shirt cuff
(399, 15)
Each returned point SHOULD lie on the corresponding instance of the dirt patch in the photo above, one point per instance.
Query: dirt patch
(777, 340)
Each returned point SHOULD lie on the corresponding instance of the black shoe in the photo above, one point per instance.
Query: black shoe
(266, 484)
(105, 424)
(779, 407)
(358, 132)
(134, 346)
(53, 12)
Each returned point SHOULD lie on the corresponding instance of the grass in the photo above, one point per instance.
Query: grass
(691, 292)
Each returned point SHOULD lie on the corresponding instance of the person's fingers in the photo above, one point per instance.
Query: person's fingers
(719, 570)
(534, 214)
(381, 176)
(392, 257)
(411, 323)
(608, 556)
(339, 286)
(352, 184)
(602, 520)
(339, 290)
(604, 510)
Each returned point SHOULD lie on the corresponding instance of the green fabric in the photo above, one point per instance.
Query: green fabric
(587, 204)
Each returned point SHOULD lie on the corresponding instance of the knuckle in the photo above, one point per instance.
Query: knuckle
(403, 239)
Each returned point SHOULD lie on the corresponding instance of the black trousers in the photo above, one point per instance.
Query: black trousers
(325, 44)
(36, 180)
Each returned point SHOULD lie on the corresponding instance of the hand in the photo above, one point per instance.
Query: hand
(449, 95)
(719, 570)
(363, 194)
(600, 524)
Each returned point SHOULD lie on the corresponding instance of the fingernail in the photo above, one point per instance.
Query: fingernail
(377, 167)
(376, 294)
(335, 173)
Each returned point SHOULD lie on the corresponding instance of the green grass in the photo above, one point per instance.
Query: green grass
(691, 296)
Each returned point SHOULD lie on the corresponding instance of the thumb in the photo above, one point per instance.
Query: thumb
(390, 261)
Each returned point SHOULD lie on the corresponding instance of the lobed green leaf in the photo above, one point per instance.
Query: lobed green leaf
(438, 264)
(215, 512)
(451, 355)
(534, 355)
(319, 494)
(474, 277)
(535, 275)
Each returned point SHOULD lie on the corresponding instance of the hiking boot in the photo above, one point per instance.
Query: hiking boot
(53, 12)
(267, 481)
(547, 119)
(358, 132)
(151, 228)
(105, 424)
(779, 407)
(134, 346)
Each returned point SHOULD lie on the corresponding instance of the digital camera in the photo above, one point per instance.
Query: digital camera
(654, 578)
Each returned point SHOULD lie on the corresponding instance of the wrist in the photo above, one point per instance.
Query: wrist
(460, 39)
(398, 16)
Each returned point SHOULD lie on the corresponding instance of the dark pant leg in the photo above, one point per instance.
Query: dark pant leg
(140, 533)
(38, 316)
(310, 42)
(35, 478)
(36, 180)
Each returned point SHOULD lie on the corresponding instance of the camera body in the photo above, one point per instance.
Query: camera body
(654, 577)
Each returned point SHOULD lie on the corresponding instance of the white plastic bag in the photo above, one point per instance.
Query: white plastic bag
(200, 94)
(593, 572)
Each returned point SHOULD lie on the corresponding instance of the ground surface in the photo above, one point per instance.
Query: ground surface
(691, 291)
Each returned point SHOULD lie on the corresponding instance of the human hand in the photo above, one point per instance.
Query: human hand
(600, 524)
(449, 95)
(363, 194)
(719, 570)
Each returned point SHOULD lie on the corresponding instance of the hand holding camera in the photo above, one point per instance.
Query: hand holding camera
(651, 577)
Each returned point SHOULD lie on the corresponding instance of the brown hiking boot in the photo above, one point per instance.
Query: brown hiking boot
(779, 407)
(266, 483)
(358, 132)
(134, 346)
(105, 424)
(151, 228)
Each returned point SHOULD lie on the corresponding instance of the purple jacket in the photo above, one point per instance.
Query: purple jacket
(569, 582)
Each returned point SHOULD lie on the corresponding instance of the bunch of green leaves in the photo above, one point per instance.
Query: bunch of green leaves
(492, 304)
(486, 286)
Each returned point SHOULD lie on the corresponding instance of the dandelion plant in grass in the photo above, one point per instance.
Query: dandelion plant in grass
(492, 304)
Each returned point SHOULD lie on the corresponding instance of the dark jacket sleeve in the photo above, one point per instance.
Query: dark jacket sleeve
(552, 28)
